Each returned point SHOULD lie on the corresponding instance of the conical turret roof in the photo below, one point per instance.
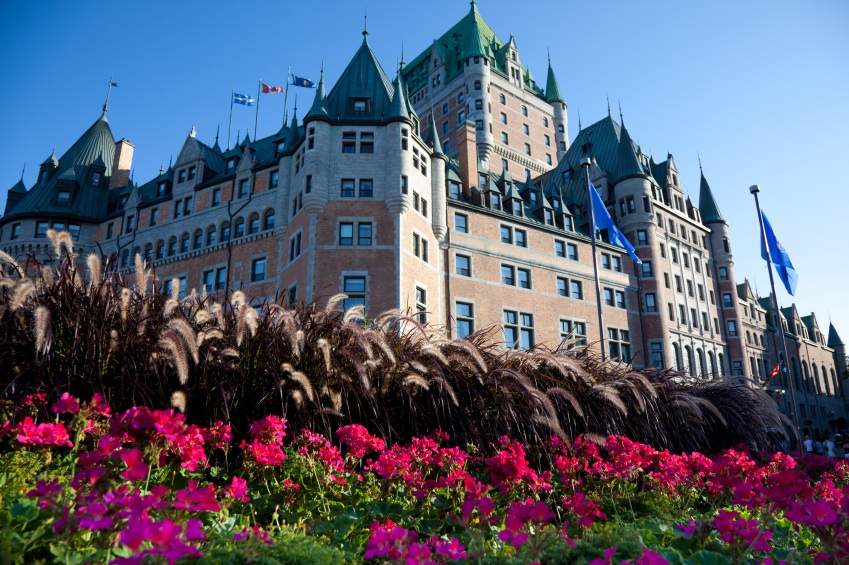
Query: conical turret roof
(318, 107)
(399, 101)
(433, 137)
(52, 160)
(629, 164)
(363, 79)
(552, 90)
(833, 339)
(707, 203)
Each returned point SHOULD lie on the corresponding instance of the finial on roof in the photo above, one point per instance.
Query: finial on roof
(580, 127)
(194, 132)
(609, 115)
(700, 162)
(23, 170)
(548, 50)
(621, 119)
(474, 6)
(218, 129)
(170, 160)
(162, 168)
(402, 53)
(365, 24)
(109, 86)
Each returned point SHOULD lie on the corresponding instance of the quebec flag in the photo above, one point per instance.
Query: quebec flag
(779, 257)
(243, 99)
(604, 221)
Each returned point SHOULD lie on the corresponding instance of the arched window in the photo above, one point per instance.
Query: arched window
(268, 220)
(210, 235)
(816, 376)
(834, 382)
(172, 246)
(198, 239)
(691, 365)
(676, 351)
(148, 252)
(806, 376)
(136, 252)
(794, 364)
(253, 223)
(225, 231)
(184, 242)
(721, 361)
(702, 366)
(125, 258)
(239, 226)
(160, 250)
(825, 381)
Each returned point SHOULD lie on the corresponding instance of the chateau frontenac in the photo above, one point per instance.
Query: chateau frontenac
(450, 190)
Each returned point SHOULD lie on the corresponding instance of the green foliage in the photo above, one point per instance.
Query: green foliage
(289, 548)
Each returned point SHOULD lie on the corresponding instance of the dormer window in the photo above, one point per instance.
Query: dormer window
(95, 178)
(359, 106)
(63, 198)
(42, 177)
(231, 165)
(192, 173)
(181, 177)
(517, 208)
(160, 189)
(280, 145)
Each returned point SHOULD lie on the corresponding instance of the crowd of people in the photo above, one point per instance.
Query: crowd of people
(836, 446)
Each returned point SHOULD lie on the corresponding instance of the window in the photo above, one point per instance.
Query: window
(221, 278)
(646, 269)
(686, 259)
(697, 265)
(524, 276)
(463, 265)
(620, 345)
(620, 298)
(608, 296)
(131, 224)
(506, 234)
(210, 235)
(295, 246)
(446, 126)
(404, 184)
(347, 188)
(63, 198)
(727, 301)
(562, 286)
(148, 252)
(367, 142)
(258, 269)
(508, 275)
(181, 176)
(16, 231)
(525, 129)
(723, 273)
(172, 246)
(693, 318)
(689, 287)
(732, 328)
(678, 287)
(701, 291)
(364, 233)
(651, 302)
(253, 223)
(420, 247)
(421, 305)
(527, 149)
(502, 99)
(240, 227)
(355, 288)
(216, 197)
(682, 314)
(517, 207)
(268, 220)
(346, 233)
(465, 319)
(110, 228)
(518, 329)
(656, 355)
(521, 238)
(244, 188)
(460, 98)
(572, 251)
(576, 290)
(308, 184)
(184, 243)
(574, 332)
(274, 180)
(605, 261)
(198, 239)
(208, 279)
(559, 248)
(160, 250)
(505, 139)
(642, 237)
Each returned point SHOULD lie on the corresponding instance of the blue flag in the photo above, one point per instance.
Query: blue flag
(300, 81)
(243, 99)
(779, 257)
(604, 221)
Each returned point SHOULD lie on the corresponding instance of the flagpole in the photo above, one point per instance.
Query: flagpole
(585, 163)
(754, 189)
(256, 118)
(286, 95)
(230, 125)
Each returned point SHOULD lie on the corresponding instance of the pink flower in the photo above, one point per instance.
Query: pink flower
(608, 557)
(136, 469)
(66, 404)
(359, 441)
(43, 434)
(238, 489)
(650, 557)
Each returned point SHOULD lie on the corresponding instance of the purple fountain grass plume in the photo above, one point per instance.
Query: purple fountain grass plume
(24, 291)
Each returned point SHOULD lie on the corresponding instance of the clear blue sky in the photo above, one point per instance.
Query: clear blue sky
(759, 89)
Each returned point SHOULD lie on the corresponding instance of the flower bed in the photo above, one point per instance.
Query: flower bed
(143, 486)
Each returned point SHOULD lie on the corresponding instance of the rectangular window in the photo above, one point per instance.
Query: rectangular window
(244, 188)
(221, 278)
(463, 265)
(620, 344)
(686, 259)
(562, 286)
(465, 319)
(181, 176)
(576, 290)
(727, 301)
(666, 280)
(216, 197)
(16, 231)
(723, 273)
(421, 305)
(689, 288)
(732, 328)
(518, 329)
(178, 209)
(671, 311)
(521, 238)
(366, 188)
(274, 181)
(346, 233)
(349, 142)
(506, 234)
(208, 280)
(693, 318)
(527, 149)
(295, 246)
(605, 261)
(572, 251)
(701, 291)
(524, 276)
(645, 269)
(682, 314)
(364, 233)
(620, 299)
(347, 188)
(559, 248)
(642, 236)
(608, 296)
(508, 275)
(110, 228)
(651, 302)
(63, 198)
(674, 253)
(355, 288)
(293, 295)
(656, 355)
(678, 287)
(154, 216)
(367, 142)
(131, 224)
(574, 332)
(461, 223)
(258, 269)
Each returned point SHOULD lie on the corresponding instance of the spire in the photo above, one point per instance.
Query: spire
(398, 109)
(162, 168)
(318, 106)
(580, 127)
(52, 160)
(216, 146)
(621, 118)
(247, 140)
(629, 164)
(365, 26)
(194, 132)
(110, 84)
(552, 90)
(707, 203)
(432, 137)
(833, 339)
(609, 114)
(475, 46)
(292, 137)
(474, 8)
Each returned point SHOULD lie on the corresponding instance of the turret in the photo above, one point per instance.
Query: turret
(561, 119)
(477, 78)
(438, 195)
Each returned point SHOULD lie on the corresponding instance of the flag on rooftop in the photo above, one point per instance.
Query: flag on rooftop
(779, 258)
(604, 221)
(243, 99)
(300, 81)
(266, 89)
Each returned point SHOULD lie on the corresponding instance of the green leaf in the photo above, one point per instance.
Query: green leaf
(24, 509)
(705, 557)
(430, 527)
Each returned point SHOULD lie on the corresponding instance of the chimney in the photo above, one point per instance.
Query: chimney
(467, 154)
(122, 164)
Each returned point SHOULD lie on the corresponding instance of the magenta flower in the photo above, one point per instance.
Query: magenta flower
(238, 489)
(136, 469)
(66, 404)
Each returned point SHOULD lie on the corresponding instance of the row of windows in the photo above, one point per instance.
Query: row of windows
(41, 229)
(216, 278)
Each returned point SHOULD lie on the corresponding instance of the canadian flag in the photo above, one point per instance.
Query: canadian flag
(773, 373)
(271, 89)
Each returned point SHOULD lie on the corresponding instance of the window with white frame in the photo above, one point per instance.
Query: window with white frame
(464, 319)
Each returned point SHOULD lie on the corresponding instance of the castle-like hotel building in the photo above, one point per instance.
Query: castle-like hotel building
(451, 190)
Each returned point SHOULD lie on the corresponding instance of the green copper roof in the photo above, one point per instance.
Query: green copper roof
(52, 160)
(628, 165)
(432, 137)
(833, 339)
(318, 104)
(399, 102)
(363, 78)
(19, 187)
(95, 147)
(552, 91)
(707, 204)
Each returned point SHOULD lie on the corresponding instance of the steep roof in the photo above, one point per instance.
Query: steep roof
(707, 203)
(94, 147)
(362, 78)
(833, 339)
(552, 91)
(628, 164)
